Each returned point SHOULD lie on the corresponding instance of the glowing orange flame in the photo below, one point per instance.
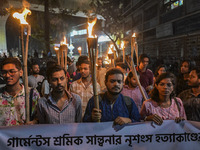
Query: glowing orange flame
(22, 16)
(56, 48)
(110, 51)
(122, 44)
(111, 45)
(133, 35)
(90, 27)
(79, 48)
(64, 42)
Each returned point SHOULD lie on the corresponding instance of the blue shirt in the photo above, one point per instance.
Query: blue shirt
(109, 113)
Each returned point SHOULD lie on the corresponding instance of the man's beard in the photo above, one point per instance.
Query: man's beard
(85, 77)
(114, 93)
(195, 85)
(35, 73)
(57, 90)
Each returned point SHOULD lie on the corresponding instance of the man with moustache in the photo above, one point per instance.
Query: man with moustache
(12, 96)
(35, 78)
(60, 106)
(191, 97)
(84, 87)
(113, 106)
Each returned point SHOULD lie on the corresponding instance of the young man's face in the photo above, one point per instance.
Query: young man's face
(100, 63)
(193, 79)
(11, 74)
(144, 63)
(85, 70)
(58, 81)
(35, 69)
(114, 83)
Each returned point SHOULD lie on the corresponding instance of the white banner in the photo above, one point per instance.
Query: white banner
(84, 136)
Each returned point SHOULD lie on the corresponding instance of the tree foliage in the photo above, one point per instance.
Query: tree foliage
(111, 11)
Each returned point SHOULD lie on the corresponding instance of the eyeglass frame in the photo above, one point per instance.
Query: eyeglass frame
(11, 72)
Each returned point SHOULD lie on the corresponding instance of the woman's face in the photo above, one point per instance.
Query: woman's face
(161, 70)
(185, 68)
(165, 87)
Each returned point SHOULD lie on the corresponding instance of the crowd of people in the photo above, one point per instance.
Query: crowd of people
(66, 96)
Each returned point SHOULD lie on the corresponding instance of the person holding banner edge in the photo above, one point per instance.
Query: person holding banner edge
(113, 105)
(163, 105)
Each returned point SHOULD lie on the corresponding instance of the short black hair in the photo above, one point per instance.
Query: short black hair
(122, 65)
(100, 58)
(12, 60)
(33, 64)
(142, 56)
(84, 62)
(82, 58)
(69, 59)
(197, 69)
(113, 71)
(54, 69)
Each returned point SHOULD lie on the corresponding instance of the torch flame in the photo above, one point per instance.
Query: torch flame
(133, 35)
(79, 48)
(90, 27)
(64, 42)
(122, 44)
(110, 51)
(56, 48)
(22, 16)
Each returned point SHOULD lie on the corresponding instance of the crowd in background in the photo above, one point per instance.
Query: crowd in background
(65, 96)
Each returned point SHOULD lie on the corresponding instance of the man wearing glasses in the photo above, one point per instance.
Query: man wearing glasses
(12, 96)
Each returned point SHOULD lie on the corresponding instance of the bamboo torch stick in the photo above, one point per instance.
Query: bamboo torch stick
(92, 51)
(64, 48)
(57, 54)
(123, 49)
(133, 70)
(26, 75)
(22, 17)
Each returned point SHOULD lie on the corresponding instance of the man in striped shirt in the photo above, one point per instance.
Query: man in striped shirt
(60, 106)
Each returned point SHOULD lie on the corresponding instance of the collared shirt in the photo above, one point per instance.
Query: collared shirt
(146, 78)
(191, 104)
(12, 108)
(151, 107)
(33, 81)
(84, 92)
(135, 94)
(109, 112)
(49, 113)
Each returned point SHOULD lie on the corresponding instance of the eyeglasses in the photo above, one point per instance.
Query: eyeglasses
(10, 72)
